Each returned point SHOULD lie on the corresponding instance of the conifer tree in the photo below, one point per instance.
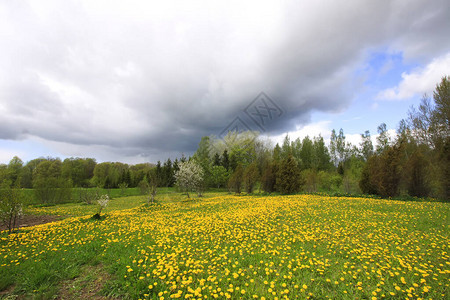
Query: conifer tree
(216, 160)
(288, 177)
(159, 173)
(225, 160)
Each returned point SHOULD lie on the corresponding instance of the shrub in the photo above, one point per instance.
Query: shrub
(87, 195)
(11, 201)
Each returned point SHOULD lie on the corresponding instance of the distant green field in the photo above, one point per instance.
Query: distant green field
(113, 193)
(236, 247)
(164, 196)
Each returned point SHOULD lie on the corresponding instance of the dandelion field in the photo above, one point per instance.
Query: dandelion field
(240, 247)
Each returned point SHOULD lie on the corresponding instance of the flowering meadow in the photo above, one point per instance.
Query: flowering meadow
(241, 247)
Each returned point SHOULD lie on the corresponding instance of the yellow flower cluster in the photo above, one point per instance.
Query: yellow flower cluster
(281, 247)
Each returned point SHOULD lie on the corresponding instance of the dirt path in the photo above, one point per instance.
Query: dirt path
(31, 220)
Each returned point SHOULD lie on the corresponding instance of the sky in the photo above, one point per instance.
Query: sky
(141, 81)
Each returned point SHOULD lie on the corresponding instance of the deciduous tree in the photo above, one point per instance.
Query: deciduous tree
(219, 176)
(49, 185)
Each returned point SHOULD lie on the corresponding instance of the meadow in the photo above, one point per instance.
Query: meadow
(233, 247)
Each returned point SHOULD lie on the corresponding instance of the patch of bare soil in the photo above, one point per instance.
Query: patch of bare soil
(7, 294)
(31, 220)
(86, 286)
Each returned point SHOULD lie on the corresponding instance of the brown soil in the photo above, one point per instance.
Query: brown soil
(86, 286)
(31, 220)
(6, 292)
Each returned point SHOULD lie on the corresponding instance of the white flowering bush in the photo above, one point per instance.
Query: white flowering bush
(189, 176)
(102, 203)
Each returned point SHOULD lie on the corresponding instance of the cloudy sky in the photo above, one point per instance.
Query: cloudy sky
(139, 81)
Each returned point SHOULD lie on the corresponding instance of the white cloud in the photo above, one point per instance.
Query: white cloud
(7, 154)
(312, 130)
(355, 139)
(420, 81)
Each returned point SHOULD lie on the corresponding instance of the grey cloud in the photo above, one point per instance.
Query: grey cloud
(151, 82)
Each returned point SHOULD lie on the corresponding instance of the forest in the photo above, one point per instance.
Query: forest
(415, 162)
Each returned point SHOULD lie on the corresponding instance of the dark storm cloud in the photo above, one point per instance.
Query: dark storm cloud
(151, 80)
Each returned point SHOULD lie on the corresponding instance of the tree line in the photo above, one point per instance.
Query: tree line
(413, 162)
(53, 179)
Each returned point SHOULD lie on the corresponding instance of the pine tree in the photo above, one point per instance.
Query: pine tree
(286, 148)
(225, 160)
(216, 160)
(168, 173)
(233, 163)
(159, 174)
(175, 166)
(390, 177)
(288, 177)
(277, 152)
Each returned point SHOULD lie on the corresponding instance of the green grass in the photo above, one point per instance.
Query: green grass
(245, 247)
